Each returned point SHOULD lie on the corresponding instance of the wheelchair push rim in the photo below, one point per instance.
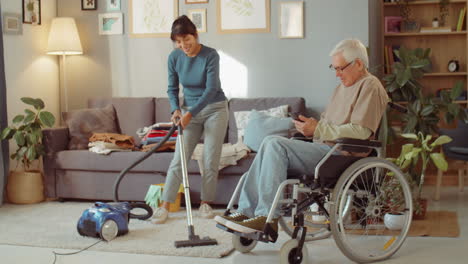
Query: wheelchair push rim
(377, 187)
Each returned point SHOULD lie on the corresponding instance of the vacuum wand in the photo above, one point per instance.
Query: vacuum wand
(193, 240)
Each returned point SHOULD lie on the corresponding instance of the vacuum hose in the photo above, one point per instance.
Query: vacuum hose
(138, 161)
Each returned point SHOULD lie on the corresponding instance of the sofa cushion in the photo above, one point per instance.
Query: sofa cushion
(242, 166)
(84, 122)
(242, 117)
(163, 110)
(261, 125)
(296, 104)
(132, 113)
(117, 161)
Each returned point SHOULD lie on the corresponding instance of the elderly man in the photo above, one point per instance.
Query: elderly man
(354, 111)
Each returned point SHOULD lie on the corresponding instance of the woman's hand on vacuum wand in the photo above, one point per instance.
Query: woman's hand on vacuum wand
(186, 119)
(176, 117)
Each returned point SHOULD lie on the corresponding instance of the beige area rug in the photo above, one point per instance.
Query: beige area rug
(53, 224)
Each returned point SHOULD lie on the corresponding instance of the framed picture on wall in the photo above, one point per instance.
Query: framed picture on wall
(12, 24)
(152, 18)
(88, 4)
(291, 19)
(111, 24)
(113, 5)
(198, 17)
(243, 16)
(32, 12)
(196, 1)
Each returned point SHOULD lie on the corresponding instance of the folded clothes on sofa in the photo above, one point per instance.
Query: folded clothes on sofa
(230, 154)
(101, 147)
(156, 135)
(121, 140)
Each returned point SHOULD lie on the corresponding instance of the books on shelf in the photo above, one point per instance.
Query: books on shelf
(435, 29)
(461, 19)
(390, 57)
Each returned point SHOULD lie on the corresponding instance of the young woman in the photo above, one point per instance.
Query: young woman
(204, 112)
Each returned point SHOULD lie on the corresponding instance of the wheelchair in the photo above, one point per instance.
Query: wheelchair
(353, 194)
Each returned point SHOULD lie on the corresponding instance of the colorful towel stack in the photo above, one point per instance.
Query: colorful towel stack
(156, 136)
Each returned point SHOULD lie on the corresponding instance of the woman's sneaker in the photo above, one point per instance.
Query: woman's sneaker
(236, 217)
(206, 211)
(160, 216)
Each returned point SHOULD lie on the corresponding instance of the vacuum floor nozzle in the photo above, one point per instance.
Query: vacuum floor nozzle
(195, 241)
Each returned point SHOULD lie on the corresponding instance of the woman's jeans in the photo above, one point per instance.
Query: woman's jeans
(211, 122)
(275, 157)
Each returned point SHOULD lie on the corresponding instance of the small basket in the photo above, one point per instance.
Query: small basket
(154, 195)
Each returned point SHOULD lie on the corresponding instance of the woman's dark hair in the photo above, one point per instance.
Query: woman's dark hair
(183, 26)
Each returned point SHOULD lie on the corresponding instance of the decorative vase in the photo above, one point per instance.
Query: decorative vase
(410, 26)
(25, 187)
(423, 209)
(394, 221)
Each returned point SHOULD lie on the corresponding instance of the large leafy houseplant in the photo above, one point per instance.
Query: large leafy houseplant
(26, 131)
(415, 158)
(423, 109)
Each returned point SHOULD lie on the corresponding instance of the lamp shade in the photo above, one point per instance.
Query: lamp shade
(63, 37)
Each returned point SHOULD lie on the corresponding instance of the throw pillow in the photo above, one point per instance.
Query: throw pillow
(84, 122)
(242, 117)
(261, 125)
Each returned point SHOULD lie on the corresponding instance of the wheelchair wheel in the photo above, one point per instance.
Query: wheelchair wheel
(377, 187)
(289, 254)
(242, 244)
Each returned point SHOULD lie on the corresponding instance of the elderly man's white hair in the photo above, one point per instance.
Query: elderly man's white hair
(352, 49)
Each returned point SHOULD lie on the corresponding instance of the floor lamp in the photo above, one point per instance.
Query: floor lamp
(64, 40)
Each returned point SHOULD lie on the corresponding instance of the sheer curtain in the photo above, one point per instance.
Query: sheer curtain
(3, 119)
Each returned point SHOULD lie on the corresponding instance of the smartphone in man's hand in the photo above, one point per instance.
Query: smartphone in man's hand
(295, 116)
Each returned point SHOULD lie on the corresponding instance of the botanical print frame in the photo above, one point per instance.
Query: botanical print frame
(88, 5)
(32, 12)
(111, 24)
(12, 23)
(113, 5)
(198, 17)
(196, 1)
(152, 18)
(291, 19)
(243, 16)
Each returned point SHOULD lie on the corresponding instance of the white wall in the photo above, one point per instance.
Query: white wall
(254, 64)
(28, 70)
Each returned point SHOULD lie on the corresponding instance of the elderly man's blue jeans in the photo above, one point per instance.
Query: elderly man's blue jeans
(275, 157)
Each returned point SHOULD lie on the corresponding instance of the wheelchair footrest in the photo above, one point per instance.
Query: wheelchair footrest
(258, 236)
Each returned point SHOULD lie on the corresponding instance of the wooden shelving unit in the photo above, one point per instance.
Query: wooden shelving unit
(445, 46)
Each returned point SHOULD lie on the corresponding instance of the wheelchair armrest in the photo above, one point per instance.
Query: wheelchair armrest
(360, 142)
(357, 145)
(306, 139)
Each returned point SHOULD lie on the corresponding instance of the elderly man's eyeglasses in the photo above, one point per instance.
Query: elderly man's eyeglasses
(340, 69)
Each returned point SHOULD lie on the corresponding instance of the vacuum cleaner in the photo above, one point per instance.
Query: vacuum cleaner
(109, 220)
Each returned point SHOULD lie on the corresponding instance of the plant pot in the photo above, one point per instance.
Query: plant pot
(394, 221)
(25, 187)
(421, 214)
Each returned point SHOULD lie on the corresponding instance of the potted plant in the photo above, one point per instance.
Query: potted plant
(408, 23)
(423, 110)
(443, 11)
(415, 158)
(27, 186)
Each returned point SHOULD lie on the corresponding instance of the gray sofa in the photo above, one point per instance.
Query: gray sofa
(80, 174)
